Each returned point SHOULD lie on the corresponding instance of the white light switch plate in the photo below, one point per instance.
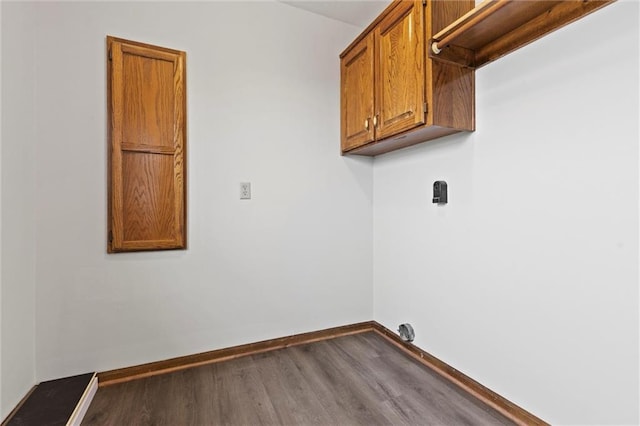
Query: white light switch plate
(245, 190)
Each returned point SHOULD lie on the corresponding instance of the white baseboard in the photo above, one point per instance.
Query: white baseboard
(84, 403)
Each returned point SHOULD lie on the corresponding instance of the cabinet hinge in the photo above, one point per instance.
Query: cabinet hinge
(425, 107)
(110, 55)
(110, 236)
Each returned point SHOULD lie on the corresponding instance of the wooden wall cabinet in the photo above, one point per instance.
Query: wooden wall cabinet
(392, 94)
(147, 137)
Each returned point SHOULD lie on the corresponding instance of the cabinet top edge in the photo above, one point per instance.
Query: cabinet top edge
(372, 25)
(111, 39)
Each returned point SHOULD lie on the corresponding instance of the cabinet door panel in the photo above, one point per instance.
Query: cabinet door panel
(356, 73)
(148, 100)
(148, 197)
(400, 65)
(147, 118)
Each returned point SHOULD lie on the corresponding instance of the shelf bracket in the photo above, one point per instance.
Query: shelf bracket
(454, 55)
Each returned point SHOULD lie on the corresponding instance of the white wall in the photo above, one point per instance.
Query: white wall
(17, 249)
(527, 280)
(263, 106)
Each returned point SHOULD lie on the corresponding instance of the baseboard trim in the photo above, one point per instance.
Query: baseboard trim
(507, 408)
(181, 363)
(492, 399)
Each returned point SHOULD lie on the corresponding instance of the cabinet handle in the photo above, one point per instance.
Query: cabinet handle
(366, 124)
(375, 121)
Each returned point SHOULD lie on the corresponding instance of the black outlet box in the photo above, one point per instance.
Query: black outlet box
(440, 192)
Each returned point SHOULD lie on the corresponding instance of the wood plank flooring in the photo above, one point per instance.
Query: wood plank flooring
(353, 380)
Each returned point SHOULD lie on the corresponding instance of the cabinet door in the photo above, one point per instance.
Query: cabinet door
(400, 69)
(356, 75)
(147, 109)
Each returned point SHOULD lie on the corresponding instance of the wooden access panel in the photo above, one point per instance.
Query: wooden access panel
(147, 141)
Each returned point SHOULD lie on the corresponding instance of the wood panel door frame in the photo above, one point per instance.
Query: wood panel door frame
(117, 240)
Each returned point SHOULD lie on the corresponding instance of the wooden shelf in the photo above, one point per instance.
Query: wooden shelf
(495, 28)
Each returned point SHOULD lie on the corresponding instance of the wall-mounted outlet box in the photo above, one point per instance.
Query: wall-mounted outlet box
(440, 192)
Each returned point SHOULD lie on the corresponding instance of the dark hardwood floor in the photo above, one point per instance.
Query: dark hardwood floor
(353, 380)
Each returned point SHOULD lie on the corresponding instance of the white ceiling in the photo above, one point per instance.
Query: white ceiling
(359, 13)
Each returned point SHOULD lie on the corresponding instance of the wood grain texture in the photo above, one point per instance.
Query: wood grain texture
(147, 121)
(180, 363)
(400, 78)
(497, 27)
(403, 140)
(405, 79)
(356, 76)
(507, 408)
(148, 100)
(453, 87)
(148, 197)
(359, 379)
